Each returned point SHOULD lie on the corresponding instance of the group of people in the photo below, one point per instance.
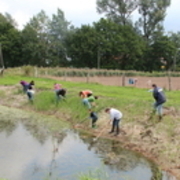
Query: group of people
(88, 100)
(116, 115)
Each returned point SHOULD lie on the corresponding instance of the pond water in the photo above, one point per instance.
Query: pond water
(27, 153)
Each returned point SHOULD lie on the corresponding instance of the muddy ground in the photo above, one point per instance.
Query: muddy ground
(141, 136)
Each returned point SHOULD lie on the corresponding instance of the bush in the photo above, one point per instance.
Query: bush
(28, 70)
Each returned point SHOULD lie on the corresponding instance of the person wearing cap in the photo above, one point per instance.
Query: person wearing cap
(115, 118)
(160, 99)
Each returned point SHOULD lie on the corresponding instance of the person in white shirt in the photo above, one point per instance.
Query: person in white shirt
(115, 118)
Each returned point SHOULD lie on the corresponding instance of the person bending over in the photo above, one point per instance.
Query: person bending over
(115, 118)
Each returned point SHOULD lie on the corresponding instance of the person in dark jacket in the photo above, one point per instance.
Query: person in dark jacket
(160, 99)
(61, 94)
(94, 118)
(25, 85)
(30, 91)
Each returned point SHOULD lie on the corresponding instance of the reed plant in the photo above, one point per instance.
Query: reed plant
(83, 72)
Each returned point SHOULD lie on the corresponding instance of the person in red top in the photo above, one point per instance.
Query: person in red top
(85, 93)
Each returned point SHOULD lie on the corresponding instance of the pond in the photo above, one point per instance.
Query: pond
(29, 153)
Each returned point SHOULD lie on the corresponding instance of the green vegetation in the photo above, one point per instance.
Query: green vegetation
(135, 103)
(117, 41)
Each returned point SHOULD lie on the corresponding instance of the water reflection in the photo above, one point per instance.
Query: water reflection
(31, 152)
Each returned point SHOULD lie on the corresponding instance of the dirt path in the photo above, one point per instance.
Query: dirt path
(141, 136)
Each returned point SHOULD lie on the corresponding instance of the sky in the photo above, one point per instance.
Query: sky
(78, 12)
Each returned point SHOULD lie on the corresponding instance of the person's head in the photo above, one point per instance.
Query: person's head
(107, 110)
(96, 97)
(32, 83)
(22, 82)
(80, 93)
(154, 85)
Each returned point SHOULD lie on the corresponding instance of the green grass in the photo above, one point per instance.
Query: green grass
(134, 103)
(130, 100)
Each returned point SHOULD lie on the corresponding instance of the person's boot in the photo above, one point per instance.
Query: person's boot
(160, 117)
(111, 131)
(116, 134)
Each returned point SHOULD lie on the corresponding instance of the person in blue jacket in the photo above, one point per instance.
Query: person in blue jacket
(160, 99)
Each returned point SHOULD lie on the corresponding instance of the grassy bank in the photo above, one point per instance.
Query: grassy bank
(158, 141)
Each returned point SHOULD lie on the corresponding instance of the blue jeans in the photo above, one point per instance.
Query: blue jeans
(115, 125)
(86, 103)
(158, 108)
(30, 96)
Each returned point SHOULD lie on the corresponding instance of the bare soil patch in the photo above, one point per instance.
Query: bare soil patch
(142, 82)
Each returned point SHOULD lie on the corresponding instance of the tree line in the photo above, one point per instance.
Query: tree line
(113, 42)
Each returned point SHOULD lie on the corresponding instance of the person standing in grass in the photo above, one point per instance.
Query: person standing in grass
(115, 118)
(160, 99)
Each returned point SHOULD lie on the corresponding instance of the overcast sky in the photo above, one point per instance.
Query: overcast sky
(78, 12)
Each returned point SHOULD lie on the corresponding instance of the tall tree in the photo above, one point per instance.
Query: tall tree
(117, 10)
(175, 37)
(113, 45)
(10, 43)
(152, 13)
(120, 46)
(82, 47)
(162, 54)
(11, 20)
(59, 28)
(39, 26)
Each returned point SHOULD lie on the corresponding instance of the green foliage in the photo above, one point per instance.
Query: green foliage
(152, 14)
(106, 45)
(28, 70)
(118, 11)
(97, 174)
(10, 41)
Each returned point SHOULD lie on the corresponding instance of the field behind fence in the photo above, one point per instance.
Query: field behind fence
(166, 79)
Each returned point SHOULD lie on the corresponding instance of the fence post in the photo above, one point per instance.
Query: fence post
(87, 77)
(35, 71)
(65, 75)
(123, 79)
(169, 79)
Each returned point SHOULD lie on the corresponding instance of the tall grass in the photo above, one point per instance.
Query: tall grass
(83, 72)
(133, 102)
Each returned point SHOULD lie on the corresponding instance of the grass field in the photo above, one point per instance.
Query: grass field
(158, 141)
